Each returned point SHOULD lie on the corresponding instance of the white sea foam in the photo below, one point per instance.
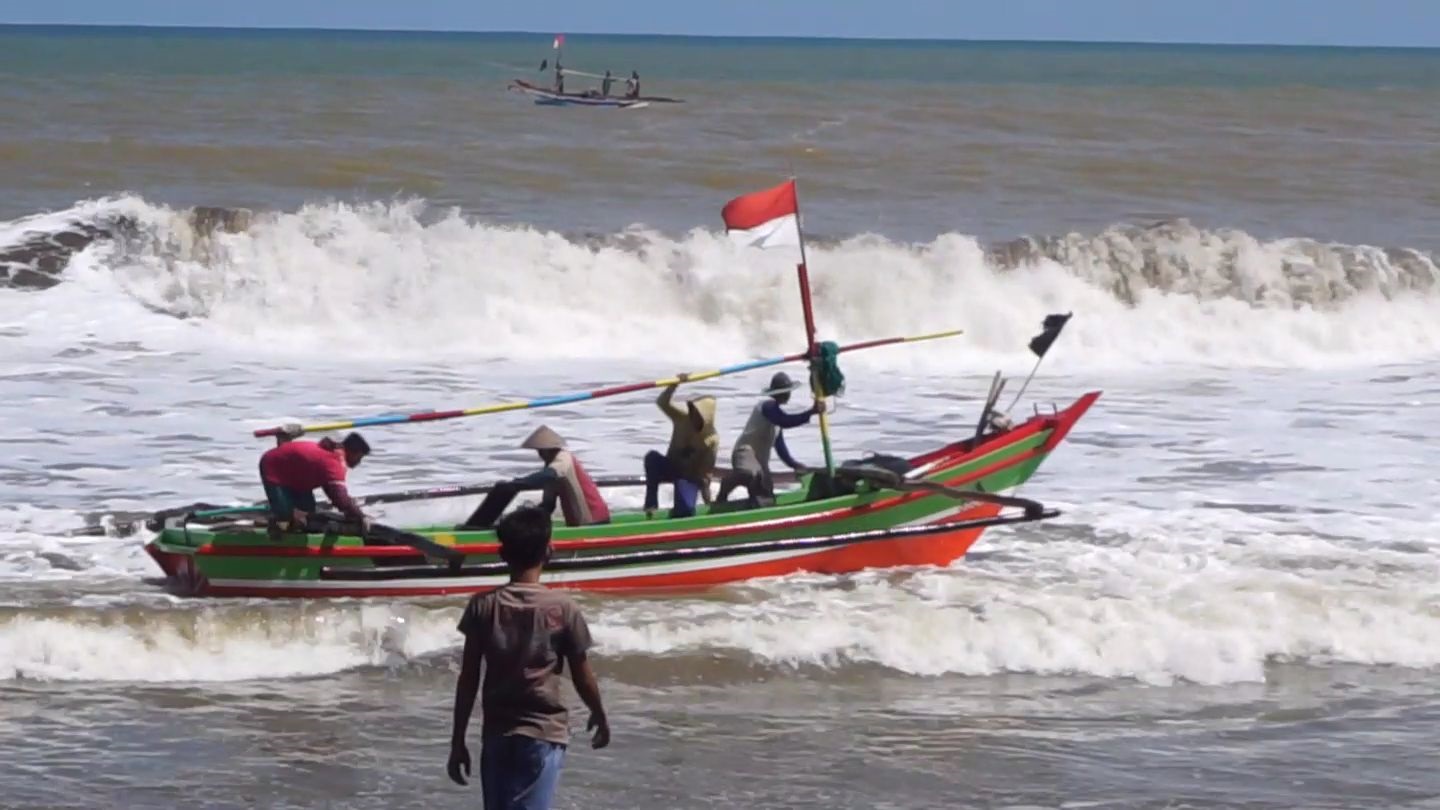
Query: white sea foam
(175, 644)
(113, 400)
(398, 280)
(1145, 606)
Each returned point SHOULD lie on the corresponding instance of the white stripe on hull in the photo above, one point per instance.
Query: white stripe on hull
(552, 577)
(557, 577)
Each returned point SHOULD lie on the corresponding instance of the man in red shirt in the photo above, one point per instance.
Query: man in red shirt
(292, 471)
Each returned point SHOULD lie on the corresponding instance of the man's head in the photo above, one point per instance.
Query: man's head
(545, 442)
(780, 387)
(524, 536)
(356, 448)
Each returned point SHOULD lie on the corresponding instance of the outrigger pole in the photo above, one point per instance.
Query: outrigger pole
(599, 393)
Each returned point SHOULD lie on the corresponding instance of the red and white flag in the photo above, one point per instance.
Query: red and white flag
(769, 218)
(559, 41)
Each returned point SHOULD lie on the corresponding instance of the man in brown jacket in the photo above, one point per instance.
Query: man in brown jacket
(689, 461)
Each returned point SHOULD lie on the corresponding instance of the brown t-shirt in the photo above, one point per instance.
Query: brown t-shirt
(526, 630)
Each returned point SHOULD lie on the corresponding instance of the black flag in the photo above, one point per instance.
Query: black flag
(1048, 332)
(544, 63)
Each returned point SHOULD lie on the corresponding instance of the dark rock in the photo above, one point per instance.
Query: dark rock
(38, 262)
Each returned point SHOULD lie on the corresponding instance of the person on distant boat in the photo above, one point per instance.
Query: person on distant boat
(562, 478)
(559, 77)
(690, 460)
(750, 460)
(292, 471)
(605, 85)
(632, 85)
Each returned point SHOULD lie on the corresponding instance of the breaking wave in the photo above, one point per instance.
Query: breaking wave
(1142, 606)
(398, 278)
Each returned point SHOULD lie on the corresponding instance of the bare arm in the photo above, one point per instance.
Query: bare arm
(466, 687)
(588, 687)
(340, 498)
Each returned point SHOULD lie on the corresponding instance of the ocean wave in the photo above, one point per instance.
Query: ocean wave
(397, 278)
(1110, 611)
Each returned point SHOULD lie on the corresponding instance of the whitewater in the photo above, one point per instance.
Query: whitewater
(207, 232)
(1217, 519)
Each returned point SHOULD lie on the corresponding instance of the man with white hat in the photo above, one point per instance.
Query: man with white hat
(750, 460)
(562, 477)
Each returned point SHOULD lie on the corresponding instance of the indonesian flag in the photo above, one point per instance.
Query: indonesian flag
(559, 41)
(769, 218)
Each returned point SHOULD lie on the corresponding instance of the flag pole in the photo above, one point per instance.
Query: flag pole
(559, 56)
(1040, 344)
(813, 347)
(1021, 392)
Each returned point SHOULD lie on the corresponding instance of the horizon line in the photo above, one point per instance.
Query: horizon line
(772, 37)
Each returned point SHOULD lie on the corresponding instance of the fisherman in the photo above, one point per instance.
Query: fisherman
(292, 471)
(689, 461)
(559, 77)
(632, 85)
(605, 85)
(561, 478)
(750, 459)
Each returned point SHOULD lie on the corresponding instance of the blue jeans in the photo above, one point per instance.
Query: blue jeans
(659, 470)
(518, 772)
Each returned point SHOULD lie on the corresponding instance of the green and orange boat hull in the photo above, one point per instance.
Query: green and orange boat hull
(874, 527)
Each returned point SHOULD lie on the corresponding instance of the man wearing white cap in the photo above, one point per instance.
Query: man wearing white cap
(750, 460)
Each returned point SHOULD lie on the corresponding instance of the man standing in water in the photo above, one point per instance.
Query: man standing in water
(606, 84)
(632, 85)
(525, 634)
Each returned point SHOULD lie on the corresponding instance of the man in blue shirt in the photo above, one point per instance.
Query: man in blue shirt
(750, 460)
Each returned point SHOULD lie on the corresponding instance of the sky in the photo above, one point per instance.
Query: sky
(1285, 22)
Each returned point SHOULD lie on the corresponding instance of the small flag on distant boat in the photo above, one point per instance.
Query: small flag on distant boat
(559, 42)
(1049, 331)
(766, 219)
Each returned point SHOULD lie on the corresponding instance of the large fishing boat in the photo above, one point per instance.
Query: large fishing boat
(930, 516)
(876, 512)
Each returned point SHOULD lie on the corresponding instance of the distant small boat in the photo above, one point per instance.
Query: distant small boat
(589, 98)
(592, 98)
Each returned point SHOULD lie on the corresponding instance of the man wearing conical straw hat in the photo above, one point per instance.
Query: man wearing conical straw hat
(561, 478)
